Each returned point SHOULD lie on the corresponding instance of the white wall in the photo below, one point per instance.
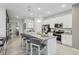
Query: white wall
(38, 24)
(2, 22)
(21, 25)
(13, 25)
(75, 29)
(66, 19)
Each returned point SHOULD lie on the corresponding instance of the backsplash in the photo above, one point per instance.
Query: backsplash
(66, 30)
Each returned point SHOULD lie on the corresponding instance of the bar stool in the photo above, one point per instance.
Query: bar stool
(24, 43)
(36, 46)
(2, 46)
(32, 49)
(28, 47)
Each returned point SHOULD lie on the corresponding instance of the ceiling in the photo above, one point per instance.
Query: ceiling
(23, 10)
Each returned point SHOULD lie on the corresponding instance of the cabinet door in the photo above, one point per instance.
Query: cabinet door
(67, 21)
(63, 39)
(67, 40)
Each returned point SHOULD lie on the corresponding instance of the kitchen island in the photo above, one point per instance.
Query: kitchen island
(48, 43)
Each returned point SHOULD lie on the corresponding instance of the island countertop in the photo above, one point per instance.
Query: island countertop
(39, 36)
(50, 42)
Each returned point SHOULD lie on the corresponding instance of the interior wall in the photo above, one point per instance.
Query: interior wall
(2, 22)
(13, 27)
(75, 30)
(38, 24)
(21, 26)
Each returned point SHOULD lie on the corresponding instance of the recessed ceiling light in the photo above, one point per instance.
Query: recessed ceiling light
(48, 12)
(38, 20)
(38, 8)
(17, 16)
(63, 5)
(29, 23)
(31, 13)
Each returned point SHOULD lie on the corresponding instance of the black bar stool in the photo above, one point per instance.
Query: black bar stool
(36, 46)
(3, 45)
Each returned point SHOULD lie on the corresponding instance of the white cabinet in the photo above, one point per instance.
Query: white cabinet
(66, 39)
(67, 21)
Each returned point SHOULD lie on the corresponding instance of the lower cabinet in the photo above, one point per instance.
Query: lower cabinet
(66, 39)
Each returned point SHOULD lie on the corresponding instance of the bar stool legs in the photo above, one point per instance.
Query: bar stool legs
(32, 48)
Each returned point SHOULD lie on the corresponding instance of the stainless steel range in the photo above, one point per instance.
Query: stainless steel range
(58, 31)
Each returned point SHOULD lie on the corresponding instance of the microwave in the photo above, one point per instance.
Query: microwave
(58, 25)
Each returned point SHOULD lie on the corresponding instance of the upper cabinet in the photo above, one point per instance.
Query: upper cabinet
(65, 19)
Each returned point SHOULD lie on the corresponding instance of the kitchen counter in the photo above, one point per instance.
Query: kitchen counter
(39, 36)
(66, 30)
(49, 41)
(67, 33)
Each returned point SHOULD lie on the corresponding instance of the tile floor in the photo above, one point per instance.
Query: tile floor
(14, 47)
(65, 50)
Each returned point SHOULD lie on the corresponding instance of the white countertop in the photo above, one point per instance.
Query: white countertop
(50, 43)
(39, 36)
